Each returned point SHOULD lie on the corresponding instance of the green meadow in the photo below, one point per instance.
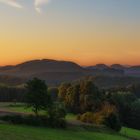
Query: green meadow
(15, 132)
(21, 132)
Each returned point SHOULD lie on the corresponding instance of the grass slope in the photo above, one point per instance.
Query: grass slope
(15, 132)
(130, 132)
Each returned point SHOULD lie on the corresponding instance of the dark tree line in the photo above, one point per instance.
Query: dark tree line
(123, 104)
(112, 107)
(12, 94)
(38, 99)
(128, 106)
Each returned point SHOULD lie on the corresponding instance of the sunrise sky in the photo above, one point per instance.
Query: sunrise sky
(84, 31)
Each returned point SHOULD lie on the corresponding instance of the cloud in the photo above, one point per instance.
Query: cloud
(37, 4)
(12, 3)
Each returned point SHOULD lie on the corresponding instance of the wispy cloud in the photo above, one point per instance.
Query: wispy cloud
(37, 4)
(12, 3)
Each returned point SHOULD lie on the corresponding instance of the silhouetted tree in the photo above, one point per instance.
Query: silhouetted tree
(90, 96)
(37, 96)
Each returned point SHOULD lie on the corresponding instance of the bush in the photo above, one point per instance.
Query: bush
(78, 117)
(98, 117)
(90, 117)
(57, 123)
(35, 121)
(134, 116)
(57, 111)
(12, 119)
(113, 122)
(87, 117)
(108, 116)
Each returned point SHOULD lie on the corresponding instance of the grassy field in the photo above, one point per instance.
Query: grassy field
(19, 107)
(130, 132)
(17, 132)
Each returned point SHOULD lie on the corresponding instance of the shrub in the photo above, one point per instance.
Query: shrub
(107, 109)
(35, 121)
(12, 119)
(57, 111)
(57, 123)
(99, 116)
(87, 117)
(113, 122)
(90, 117)
(78, 117)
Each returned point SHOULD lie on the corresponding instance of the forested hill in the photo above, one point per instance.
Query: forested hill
(56, 72)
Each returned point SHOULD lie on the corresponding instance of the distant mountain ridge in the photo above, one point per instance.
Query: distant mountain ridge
(53, 71)
(40, 66)
(56, 72)
(128, 70)
(118, 66)
(104, 66)
(98, 66)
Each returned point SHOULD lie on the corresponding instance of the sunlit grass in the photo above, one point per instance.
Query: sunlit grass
(21, 108)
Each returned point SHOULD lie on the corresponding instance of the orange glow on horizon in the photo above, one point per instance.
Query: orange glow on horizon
(83, 63)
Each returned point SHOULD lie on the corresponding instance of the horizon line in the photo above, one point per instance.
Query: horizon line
(40, 59)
